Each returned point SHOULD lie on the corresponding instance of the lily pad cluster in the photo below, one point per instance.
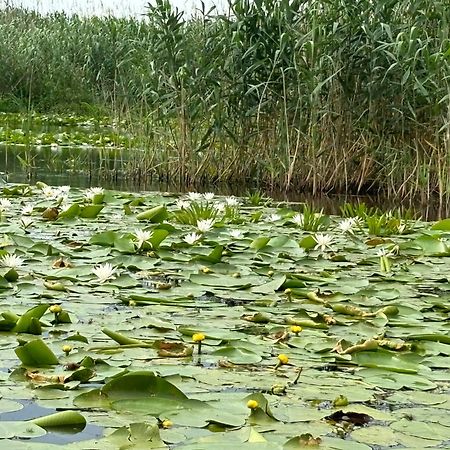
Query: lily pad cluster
(39, 130)
(198, 322)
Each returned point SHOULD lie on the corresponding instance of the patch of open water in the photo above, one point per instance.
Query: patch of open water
(56, 435)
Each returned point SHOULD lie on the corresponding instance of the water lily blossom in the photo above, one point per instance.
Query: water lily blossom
(50, 192)
(27, 210)
(64, 189)
(104, 272)
(299, 219)
(324, 241)
(231, 201)
(11, 261)
(4, 204)
(236, 234)
(194, 196)
(198, 338)
(296, 329)
(183, 204)
(273, 218)
(208, 196)
(282, 359)
(205, 225)
(25, 222)
(192, 238)
(142, 236)
(347, 225)
(252, 404)
(67, 349)
(92, 192)
(220, 207)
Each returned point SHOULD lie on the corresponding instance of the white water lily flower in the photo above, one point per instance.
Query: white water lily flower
(299, 219)
(273, 218)
(25, 222)
(359, 222)
(192, 238)
(347, 225)
(104, 272)
(219, 207)
(27, 210)
(50, 192)
(232, 201)
(64, 190)
(142, 236)
(324, 241)
(208, 196)
(183, 204)
(205, 225)
(236, 234)
(54, 146)
(5, 204)
(93, 191)
(194, 196)
(383, 252)
(401, 227)
(11, 261)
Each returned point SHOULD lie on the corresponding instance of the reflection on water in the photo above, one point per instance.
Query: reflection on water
(87, 166)
(60, 435)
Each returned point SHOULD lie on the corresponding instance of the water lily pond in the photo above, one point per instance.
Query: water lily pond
(151, 320)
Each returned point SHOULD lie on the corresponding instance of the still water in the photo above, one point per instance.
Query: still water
(86, 167)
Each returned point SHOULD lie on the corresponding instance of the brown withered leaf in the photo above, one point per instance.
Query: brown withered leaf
(350, 417)
(173, 349)
(50, 213)
(61, 263)
(39, 377)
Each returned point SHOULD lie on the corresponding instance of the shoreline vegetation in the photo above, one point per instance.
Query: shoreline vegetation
(338, 96)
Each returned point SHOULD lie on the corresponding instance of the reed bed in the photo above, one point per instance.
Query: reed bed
(321, 96)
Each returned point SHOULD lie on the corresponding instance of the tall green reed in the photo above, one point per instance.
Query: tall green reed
(337, 95)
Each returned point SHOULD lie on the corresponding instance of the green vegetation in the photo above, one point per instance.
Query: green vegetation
(146, 330)
(342, 95)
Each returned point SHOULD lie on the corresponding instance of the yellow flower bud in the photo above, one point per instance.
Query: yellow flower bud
(66, 349)
(252, 404)
(198, 337)
(283, 359)
(296, 329)
(166, 423)
(55, 309)
(288, 291)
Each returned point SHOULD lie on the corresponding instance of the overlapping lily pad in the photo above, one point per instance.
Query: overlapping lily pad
(209, 322)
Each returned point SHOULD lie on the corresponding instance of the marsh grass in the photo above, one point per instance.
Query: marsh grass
(338, 96)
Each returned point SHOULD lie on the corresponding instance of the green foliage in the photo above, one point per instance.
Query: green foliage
(361, 210)
(310, 220)
(257, 198)
(195, 212)
(346, 95)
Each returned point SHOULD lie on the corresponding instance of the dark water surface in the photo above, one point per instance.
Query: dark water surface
(59, 435)
(87, 166)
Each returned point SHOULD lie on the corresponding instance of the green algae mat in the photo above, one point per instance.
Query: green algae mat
(150, 320)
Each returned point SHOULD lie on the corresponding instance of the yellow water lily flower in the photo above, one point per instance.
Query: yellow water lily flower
(296, 329)
(55, 309)
(252, 404)
(66, 349)
(198, 337)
